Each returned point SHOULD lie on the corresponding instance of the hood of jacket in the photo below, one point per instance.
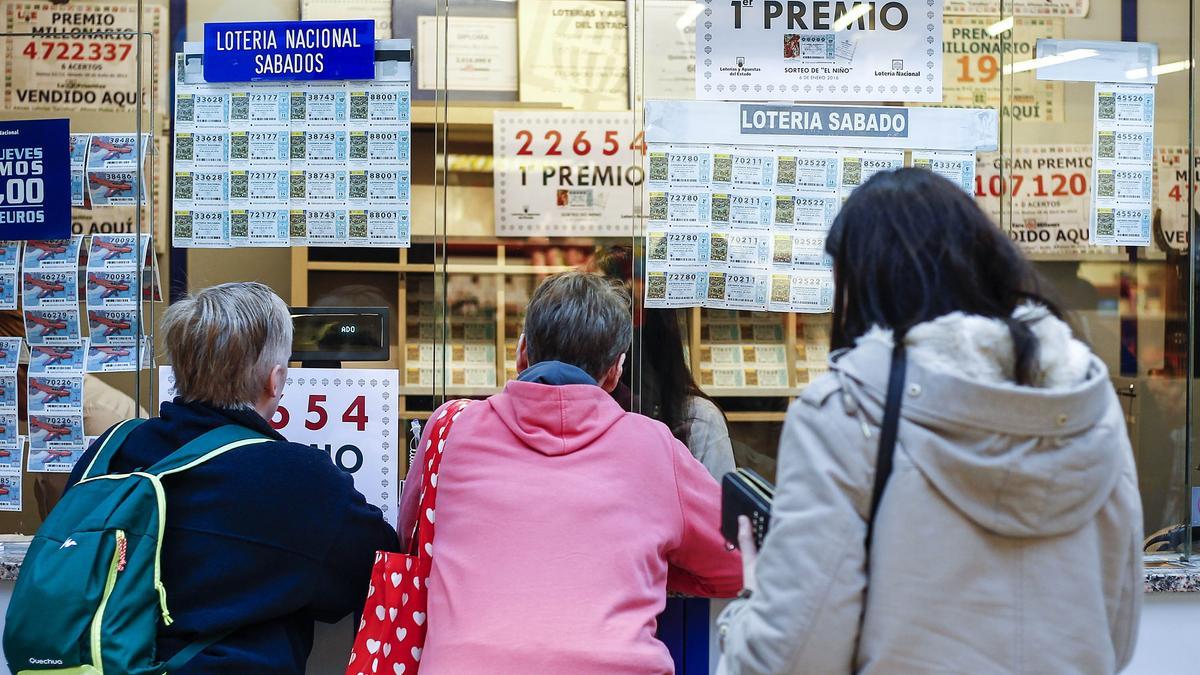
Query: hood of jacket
(556, 419)
(1020, 461)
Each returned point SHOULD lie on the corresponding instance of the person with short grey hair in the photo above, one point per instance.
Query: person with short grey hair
(558, 507)
(264, 539)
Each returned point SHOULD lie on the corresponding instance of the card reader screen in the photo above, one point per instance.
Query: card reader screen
(349, 334)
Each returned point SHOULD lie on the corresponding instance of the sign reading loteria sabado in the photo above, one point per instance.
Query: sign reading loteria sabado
(820, 50)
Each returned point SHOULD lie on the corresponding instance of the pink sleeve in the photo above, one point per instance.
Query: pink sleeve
(701, 565)
(410, 497)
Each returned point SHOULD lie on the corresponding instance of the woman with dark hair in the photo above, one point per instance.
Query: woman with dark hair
(1006, 537)
(667, 391)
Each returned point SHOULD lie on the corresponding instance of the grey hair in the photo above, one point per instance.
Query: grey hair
(224, 341)
(579, 318)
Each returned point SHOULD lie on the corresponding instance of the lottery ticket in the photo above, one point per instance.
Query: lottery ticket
(53, 327)
(677, 246)
(1124, 105)
(116, 152)
(379, 186)
(114, 359)
(380, 104)
(49, 289)
(723, 332)
(80, 144)
(326, 227)
(206, 108)
(259, 188)
(1125, 146)
(265, 107)
(809, 47)
(319, 146)
(723, 377)
(380, 146)
(10, 354)
(721, 354)
(324, 105)
(742, 168)
(806, 212)
(679, 166)
(10, 491)
(55, 442)
(676, 287)
(200, 229)
(1124, 184)
(1121, 225)
(266, 227)
(738, 289)
(380, 227)
(324, 186)
(297, 228)
(12, 444)
(51, 255)
(800, 249)
(806, 169)
(259, 149)
(55, 394)
(8, 287)
(8, 393)
(752, 210)
(112, 326)
(113, 290)
(765, 354)
(859, 165)
(957, 167)
(51, 360)
(680, 207)
(115, 188)
(201, 149)
(802, 291)
(741, 250)
(116, 251)
(766, 377)
(202, 189)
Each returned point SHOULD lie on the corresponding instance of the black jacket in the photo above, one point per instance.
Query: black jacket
(264, 540)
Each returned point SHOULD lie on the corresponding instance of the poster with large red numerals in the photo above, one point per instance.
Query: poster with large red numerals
(1171, 192)
(81, 56)
(566, 174)
(1045, 194)
(349, 414)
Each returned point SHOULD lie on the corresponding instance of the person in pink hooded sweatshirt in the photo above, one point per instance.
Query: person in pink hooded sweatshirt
(562, 520)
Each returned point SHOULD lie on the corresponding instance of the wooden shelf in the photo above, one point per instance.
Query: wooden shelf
(466, 113)
(429, 268)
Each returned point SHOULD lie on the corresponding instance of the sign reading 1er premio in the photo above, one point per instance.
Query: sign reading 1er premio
(289, 50)
(820, 50)
(35, 179)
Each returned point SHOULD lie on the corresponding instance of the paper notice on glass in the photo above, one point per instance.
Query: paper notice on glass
(809, 292)
(1123, 164)
(482, 53)
(771, 51)
(574, 53)
(380, 11)
(972, 59)
(682, 286)
(82, 58)
(748, 210)
(859, 165)
(993, 8)
(669, 34)
(1172, 184)
(956, 167)
(807, 170)
(1045, 193)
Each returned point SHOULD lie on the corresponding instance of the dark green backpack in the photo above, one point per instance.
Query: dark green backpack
(90, 598)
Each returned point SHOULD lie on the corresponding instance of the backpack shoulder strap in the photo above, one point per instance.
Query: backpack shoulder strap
(205, 447)
(112, 442)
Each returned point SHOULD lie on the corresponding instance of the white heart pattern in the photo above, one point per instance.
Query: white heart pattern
(404, 599)
(419, 617)
(396, 579)
(401, 633)
(429, 549)
(416, 582)
(416, 652)
(392, 613)
(408, 563)
(433, 479)
(375, 666)
(373, 646)
(399, 668)
(387, 649)
(430, 515)
(371, 590)
(379, 612)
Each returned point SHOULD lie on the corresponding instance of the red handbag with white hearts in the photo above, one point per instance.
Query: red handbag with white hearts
(392, 632)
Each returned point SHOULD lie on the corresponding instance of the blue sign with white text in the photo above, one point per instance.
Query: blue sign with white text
(289, 50)
(35, 179)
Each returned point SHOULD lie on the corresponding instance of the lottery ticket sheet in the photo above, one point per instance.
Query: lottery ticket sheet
(49, 276)
(10, 273)
(10, 356)
(1123, 164)
(291, 164)
(957, 167)
(54, 405)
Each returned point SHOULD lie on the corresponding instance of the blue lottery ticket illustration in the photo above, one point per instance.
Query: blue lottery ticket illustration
(10, 355)
(10, 492)
(113, 188)
(112, 327)
(113, 251)
(55, 394)
(112, 289)
(55, 442)
(45, 359)
(109, 151)
(49, 289)
(8, 393)
(51, 254)
(10, 442)
(8, 290)
(10, 254)
(111, 359)
(52, 327)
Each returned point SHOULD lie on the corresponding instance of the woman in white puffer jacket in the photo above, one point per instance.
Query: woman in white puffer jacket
(1008, 536)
